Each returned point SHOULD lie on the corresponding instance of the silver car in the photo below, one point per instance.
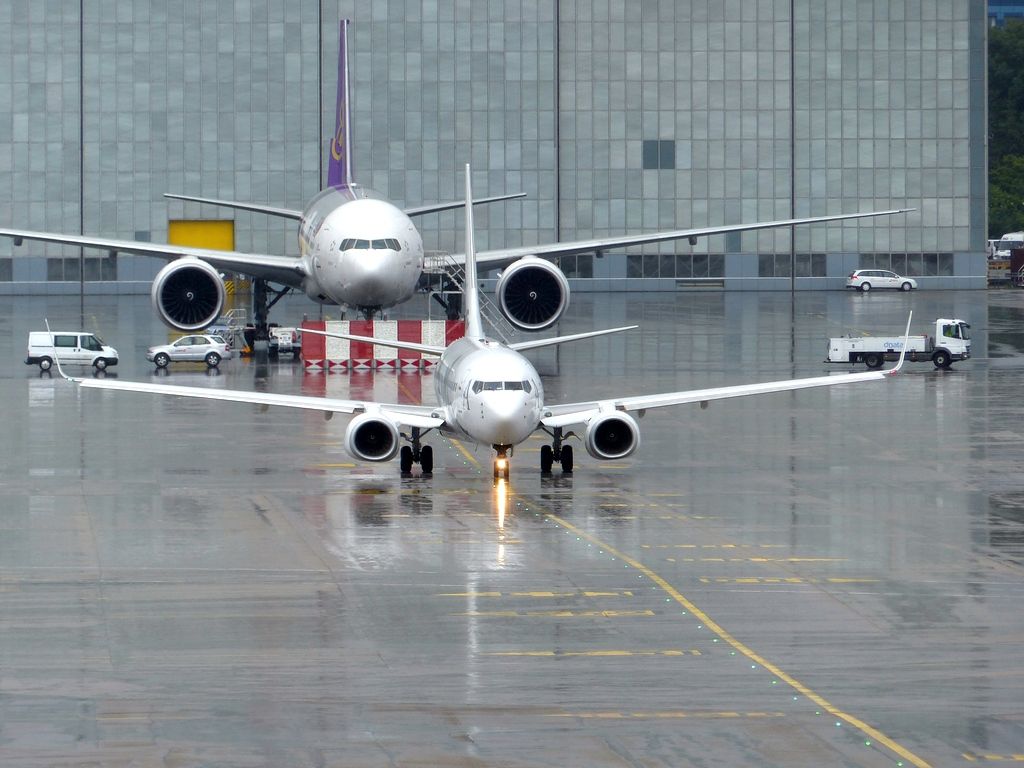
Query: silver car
(206, 348)
(866, 279)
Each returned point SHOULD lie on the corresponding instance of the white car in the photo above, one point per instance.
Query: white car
(206, 348)
(287, 340)
(867, 279)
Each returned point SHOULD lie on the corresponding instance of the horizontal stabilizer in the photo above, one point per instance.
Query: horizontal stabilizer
(270, 210)
(537, 343)
(435, 207)
(411, 346)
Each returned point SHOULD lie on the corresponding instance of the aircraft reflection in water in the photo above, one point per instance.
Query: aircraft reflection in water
(490, 394)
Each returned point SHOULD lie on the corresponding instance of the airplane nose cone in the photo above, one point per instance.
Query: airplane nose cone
(506, 418)
(370, 276)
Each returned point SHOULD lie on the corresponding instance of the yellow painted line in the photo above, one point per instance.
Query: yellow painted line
(992, 758)
(345, 465)
(676, 715)
(594, 654)
(868, 730)
(462, 449)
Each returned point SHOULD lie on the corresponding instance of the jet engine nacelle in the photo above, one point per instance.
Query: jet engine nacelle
(371, 438)
(188, 294)
(612, 436)
(532, 293)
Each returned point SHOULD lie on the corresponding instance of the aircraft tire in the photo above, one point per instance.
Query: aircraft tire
(427, 460)
(405, 459)
(547, 459)
(566, 459)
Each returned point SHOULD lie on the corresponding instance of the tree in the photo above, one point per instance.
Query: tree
(1006, 196)
(1005, 91)
(1006, 129)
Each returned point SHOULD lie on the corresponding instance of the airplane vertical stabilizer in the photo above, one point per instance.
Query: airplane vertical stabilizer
(471, 289)
(339, 163)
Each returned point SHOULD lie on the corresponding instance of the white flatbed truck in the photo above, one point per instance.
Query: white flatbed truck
(951, 341)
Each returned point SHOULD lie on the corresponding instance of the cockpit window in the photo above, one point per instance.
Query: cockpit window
(498, 386)
(351, 243)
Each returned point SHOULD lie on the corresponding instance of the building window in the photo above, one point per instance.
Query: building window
(96, 269)
(659, 154)
(810, 265)
(910, 264)
(577, 265)
(682, 265)
(6, 270)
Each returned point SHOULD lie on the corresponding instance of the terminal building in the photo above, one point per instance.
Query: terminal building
(614, 117)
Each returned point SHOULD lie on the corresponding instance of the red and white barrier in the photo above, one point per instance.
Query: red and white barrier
(328, 353)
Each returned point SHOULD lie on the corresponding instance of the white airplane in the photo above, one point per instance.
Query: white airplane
(488, 393)
(361, 252)
(356, 249)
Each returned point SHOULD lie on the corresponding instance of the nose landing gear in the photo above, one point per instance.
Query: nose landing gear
(501, 463)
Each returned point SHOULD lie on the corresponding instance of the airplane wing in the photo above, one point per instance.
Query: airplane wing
(279, 269)
(579, 413)
(508, 255)
(421, 416)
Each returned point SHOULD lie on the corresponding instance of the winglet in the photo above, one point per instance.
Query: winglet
(903, 352)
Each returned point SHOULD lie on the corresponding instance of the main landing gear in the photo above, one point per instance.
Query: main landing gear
(549, 454)
(416, 454)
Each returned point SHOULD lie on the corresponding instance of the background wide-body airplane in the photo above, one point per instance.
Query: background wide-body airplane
(488, 393)
(359, 251)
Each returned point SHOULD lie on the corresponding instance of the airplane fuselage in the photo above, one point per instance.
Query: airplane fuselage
(492, 395)
(360, 250)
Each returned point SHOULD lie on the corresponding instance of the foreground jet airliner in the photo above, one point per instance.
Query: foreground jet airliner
(359, 251)
(488, 393)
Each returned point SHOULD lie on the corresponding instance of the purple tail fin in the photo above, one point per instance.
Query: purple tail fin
(339, 164)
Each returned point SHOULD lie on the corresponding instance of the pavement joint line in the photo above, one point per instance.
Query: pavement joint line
(873, 733)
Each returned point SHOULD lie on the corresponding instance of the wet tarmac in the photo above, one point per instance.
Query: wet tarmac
(803, 579)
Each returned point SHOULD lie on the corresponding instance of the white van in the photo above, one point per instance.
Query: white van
(73, 347)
